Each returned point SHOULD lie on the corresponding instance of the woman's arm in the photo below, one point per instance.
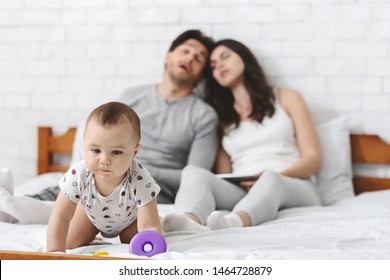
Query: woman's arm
(310, 161)
(223, 163)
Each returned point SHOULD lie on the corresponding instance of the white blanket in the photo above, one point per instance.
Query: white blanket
(356, 228)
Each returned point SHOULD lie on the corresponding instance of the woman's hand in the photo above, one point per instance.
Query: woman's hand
(247, 185)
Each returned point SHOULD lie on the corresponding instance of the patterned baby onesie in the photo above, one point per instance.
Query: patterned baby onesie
(110, 214)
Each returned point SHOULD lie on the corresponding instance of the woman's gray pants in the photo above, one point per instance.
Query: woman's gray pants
(201, 192)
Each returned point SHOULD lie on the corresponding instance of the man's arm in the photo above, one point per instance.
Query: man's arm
(205, 145)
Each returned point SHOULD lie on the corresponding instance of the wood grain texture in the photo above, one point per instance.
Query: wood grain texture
(19, 255)
(49, 145)
(369, 149)
(365, 148)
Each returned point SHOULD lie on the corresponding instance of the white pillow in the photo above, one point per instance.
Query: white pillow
(334, 179)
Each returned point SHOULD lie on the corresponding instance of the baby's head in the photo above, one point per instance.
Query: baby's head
(113, 114)
(111, 139)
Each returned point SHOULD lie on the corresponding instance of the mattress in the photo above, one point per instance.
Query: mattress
(356, 228)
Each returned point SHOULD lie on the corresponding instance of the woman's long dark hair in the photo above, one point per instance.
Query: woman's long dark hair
(260, 92)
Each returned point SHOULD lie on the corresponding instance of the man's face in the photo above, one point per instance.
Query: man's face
(186, 62)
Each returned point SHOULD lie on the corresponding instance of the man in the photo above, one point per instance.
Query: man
(177, 127)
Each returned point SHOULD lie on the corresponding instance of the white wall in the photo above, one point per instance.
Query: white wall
(60, 58)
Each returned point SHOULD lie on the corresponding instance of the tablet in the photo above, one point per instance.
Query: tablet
(236, 178)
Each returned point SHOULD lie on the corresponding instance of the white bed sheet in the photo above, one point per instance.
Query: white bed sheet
(356, 228)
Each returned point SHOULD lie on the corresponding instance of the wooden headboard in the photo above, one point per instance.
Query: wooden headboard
(369, 149)
(364, 148)
(49, 145)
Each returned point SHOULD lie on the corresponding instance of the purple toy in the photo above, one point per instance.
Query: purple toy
(147, 243)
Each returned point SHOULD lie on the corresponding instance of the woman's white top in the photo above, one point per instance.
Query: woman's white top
(254, 147)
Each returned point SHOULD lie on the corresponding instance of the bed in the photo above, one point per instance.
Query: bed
(353, 223)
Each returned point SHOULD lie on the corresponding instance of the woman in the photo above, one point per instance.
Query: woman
(264, 131)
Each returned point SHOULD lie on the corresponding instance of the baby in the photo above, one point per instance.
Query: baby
(109, 191)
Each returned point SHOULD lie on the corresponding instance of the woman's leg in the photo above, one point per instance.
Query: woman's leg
(200, 193)
(272, 192)
(269, 194)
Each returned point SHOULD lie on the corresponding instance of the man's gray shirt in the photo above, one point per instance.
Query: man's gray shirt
(173, 134)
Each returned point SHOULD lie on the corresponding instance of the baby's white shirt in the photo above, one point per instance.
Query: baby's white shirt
(113, 213)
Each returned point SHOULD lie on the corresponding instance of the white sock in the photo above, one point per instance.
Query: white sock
(217, 220)
(180, 222)
(25, 209)
(6, 180)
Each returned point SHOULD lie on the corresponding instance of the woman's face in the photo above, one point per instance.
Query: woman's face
(227, 67)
